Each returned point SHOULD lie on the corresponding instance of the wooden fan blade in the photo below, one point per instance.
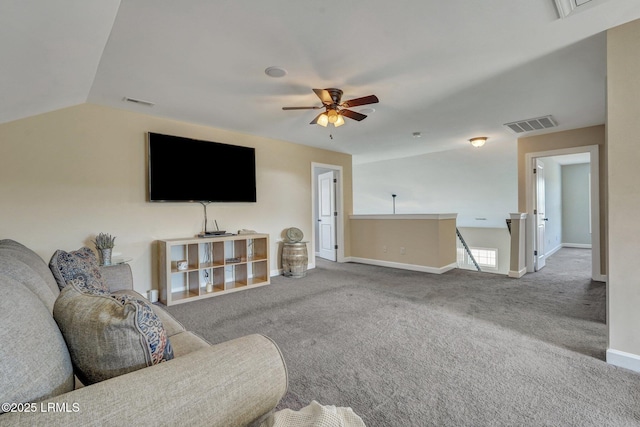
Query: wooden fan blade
(353, 115)
(324, 96)
(371, 99)
(300, 108)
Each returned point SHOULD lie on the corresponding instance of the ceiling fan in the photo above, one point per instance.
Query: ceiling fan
(335, 111)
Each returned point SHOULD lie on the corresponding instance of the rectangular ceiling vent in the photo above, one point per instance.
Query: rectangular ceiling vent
(566, 8)
(530, 125)
(138, 101)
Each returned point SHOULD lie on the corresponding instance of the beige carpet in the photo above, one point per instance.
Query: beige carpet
(405, 348)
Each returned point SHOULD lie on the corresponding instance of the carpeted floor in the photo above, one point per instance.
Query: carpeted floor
(464, 348)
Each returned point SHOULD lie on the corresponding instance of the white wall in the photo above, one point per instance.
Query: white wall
(567, 204)
(575, 204)
(472, 182)
(490, 238)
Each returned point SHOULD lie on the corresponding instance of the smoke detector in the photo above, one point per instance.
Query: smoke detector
(275, 72)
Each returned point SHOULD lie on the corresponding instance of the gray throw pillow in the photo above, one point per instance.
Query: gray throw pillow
(79, 265)
(109, 335)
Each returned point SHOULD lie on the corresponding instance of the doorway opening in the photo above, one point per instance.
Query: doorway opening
(544, 231)
(327, 213)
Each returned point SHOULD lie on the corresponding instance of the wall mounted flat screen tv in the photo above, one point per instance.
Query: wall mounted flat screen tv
(190, 170)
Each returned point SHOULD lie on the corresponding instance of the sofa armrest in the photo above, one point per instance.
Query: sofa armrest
(117, 277)
(228, 384)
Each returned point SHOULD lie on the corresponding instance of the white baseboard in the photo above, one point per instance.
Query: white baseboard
(554, 250)
(624, 360)
(517, 274)
(402, 266)
(600, 278)
(577, 245)
(568, 245)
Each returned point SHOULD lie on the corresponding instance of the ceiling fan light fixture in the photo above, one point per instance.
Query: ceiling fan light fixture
(323, 120)
(335, 110)
(478, 141)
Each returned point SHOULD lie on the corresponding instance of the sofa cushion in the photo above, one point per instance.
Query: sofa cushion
(35, 361)
(109, 335)
(187, 342)
(22, 273)
(79, 265)
(17, 251)
(117, 277)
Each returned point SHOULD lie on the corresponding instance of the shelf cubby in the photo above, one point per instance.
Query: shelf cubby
(229, 263)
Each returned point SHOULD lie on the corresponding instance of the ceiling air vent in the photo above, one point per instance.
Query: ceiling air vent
(138, 101)
(566, 8)
(530, 125)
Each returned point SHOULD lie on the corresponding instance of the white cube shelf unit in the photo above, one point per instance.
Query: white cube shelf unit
(214, 266)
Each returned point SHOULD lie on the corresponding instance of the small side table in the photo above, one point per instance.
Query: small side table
(294, 259)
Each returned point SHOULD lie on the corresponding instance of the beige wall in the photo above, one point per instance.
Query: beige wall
(69, 174)
(593, 135)
(426, 242)
(623, 130)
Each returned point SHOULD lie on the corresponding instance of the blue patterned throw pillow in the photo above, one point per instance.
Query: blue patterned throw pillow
(81, 266)
(151, 327)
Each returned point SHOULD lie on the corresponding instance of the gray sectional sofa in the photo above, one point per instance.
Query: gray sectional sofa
(234, 383)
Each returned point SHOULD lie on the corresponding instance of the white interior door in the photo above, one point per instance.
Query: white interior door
(539, 214)
(327, 215)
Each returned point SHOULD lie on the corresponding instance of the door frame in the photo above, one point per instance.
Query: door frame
(315, 169)
(594, 167)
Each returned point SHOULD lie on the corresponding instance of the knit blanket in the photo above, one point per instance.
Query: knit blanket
(314, 415)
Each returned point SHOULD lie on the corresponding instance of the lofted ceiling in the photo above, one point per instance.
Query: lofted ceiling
(450, 70)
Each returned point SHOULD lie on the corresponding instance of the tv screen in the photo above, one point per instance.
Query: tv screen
(189, 170)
